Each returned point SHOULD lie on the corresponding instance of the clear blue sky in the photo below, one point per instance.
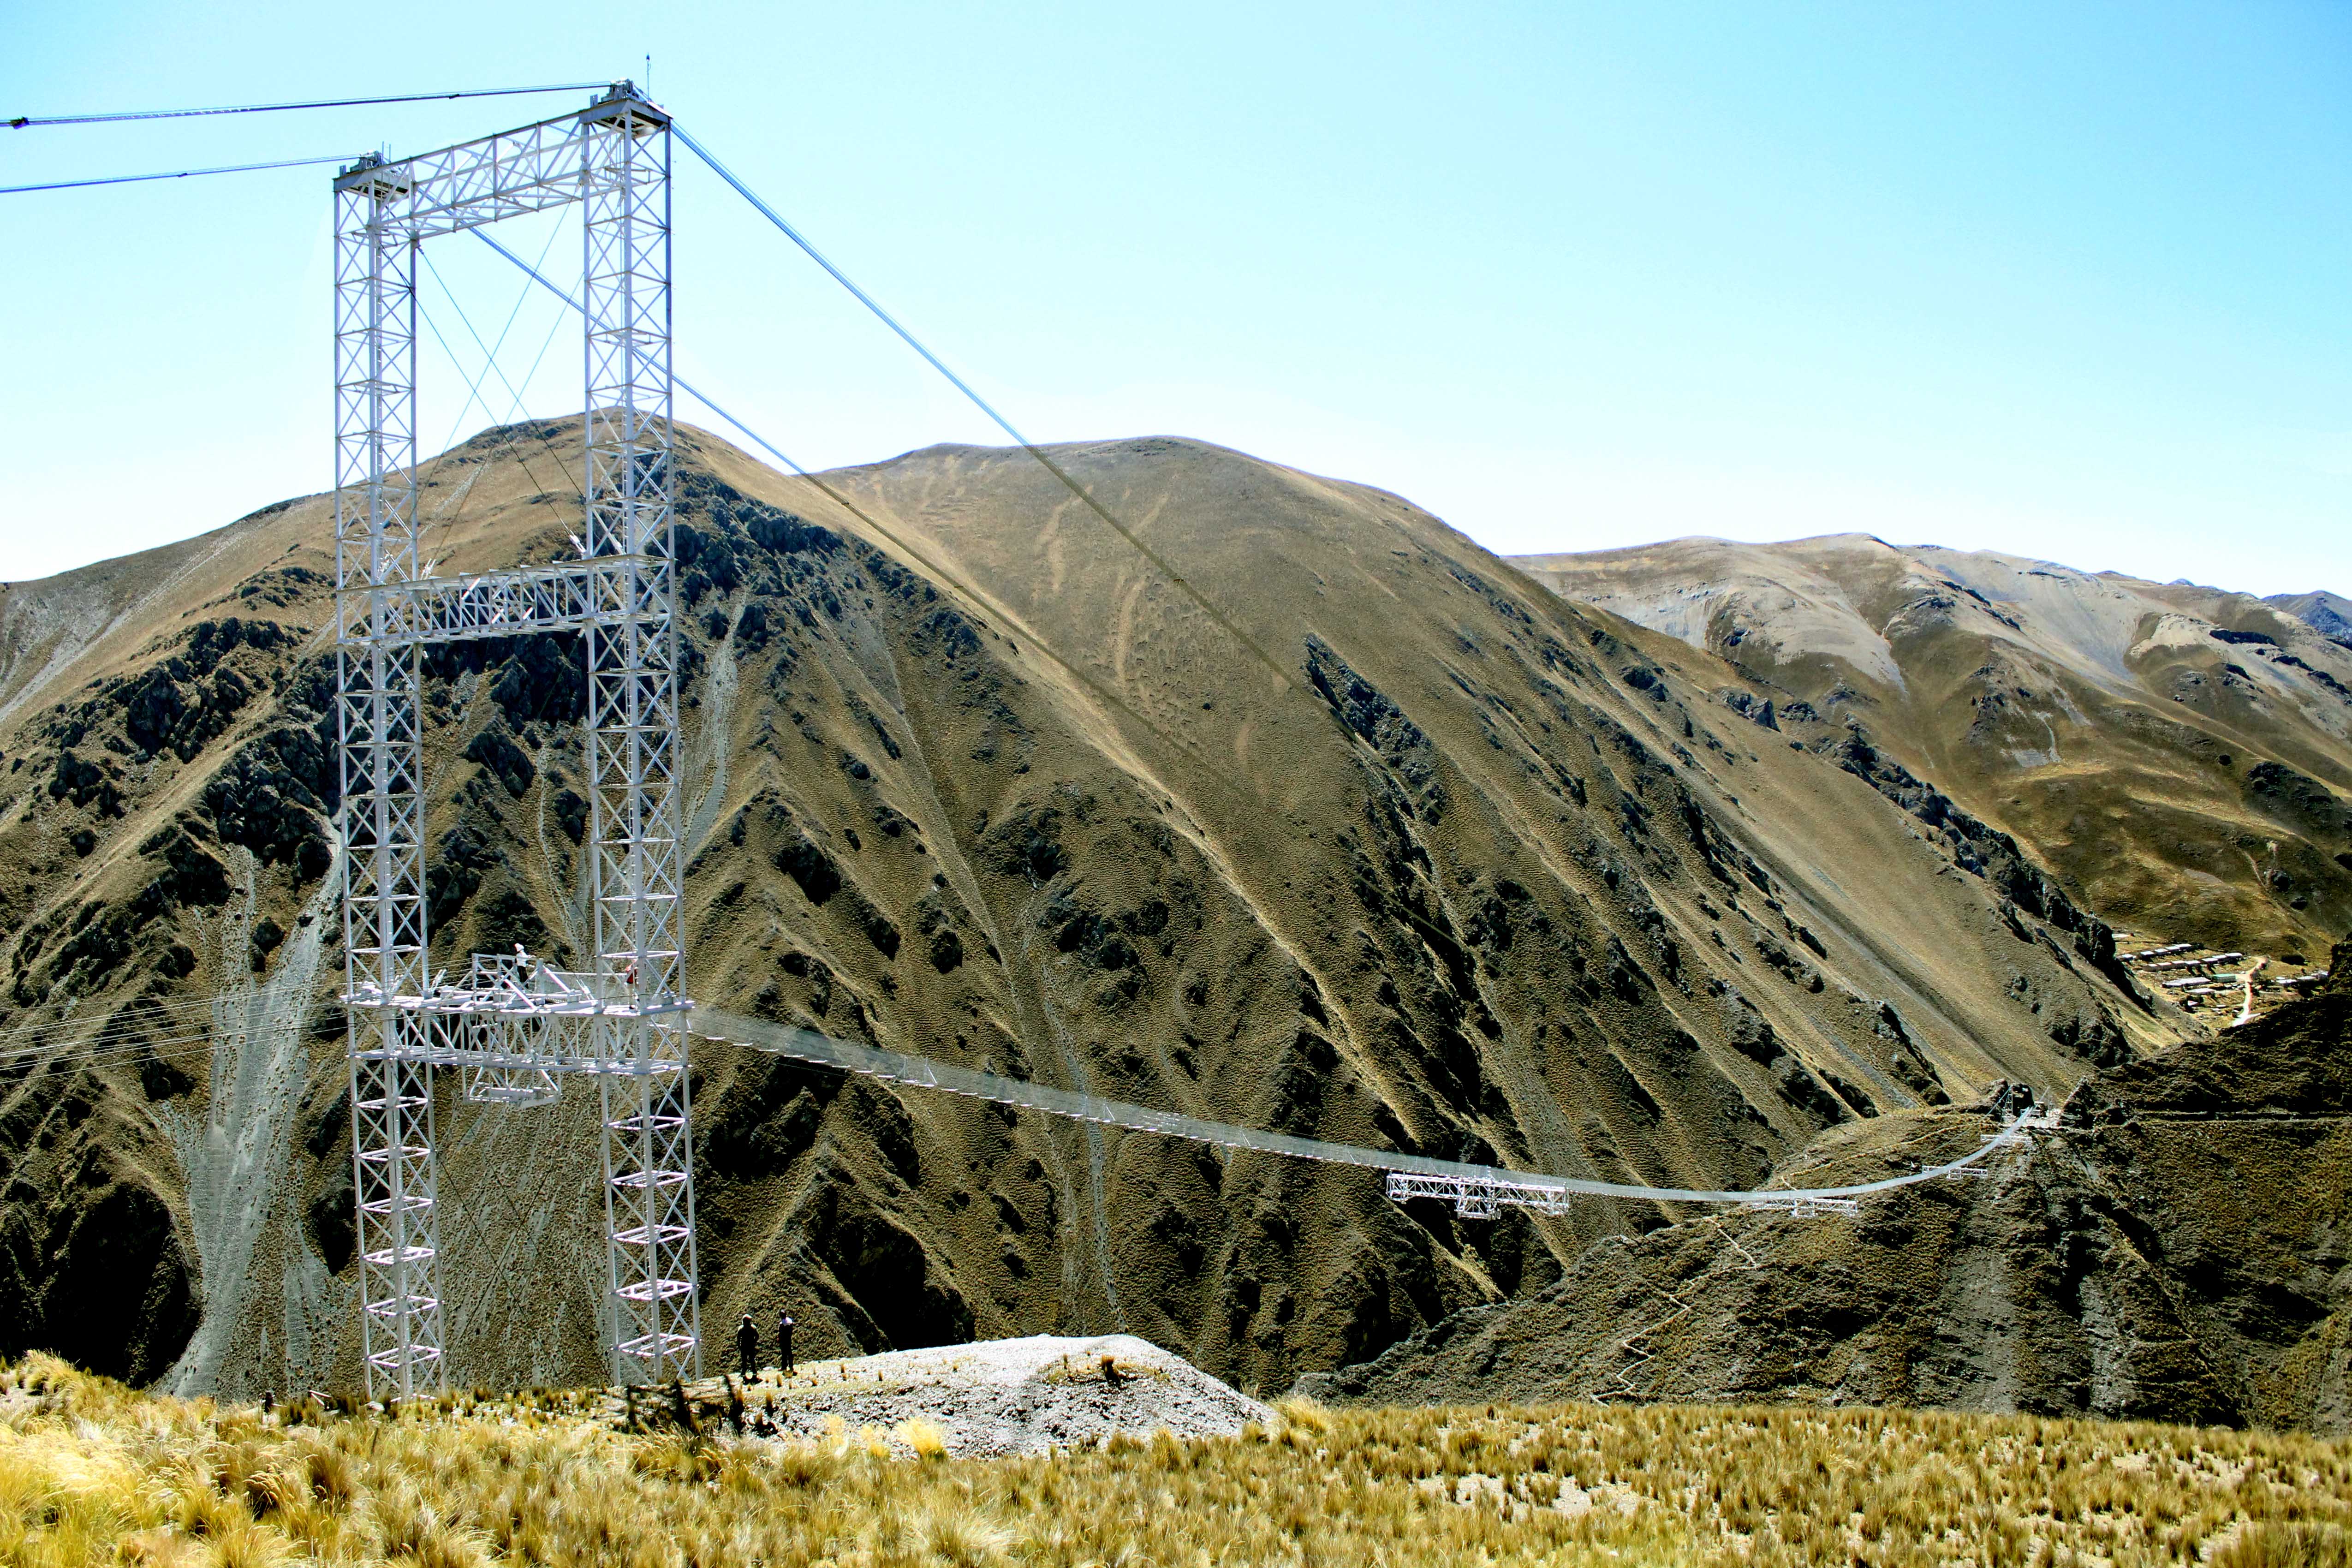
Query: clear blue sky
(2069, 280)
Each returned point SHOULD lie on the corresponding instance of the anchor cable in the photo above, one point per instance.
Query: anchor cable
(906, 546)
(1167, 568)
(27, 122)
(172, 174)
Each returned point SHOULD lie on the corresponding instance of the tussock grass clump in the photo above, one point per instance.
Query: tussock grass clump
(925, 1439)
(94, 1472)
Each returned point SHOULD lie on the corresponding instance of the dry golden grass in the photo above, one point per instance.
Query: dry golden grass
(94, 1472)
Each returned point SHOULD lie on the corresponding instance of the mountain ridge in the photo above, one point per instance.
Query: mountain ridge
(1486, 874)
(2178, 757)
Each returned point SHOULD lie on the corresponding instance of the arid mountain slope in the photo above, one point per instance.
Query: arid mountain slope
(2174, 1251)
(2180, 756)
(2329, 615)
(1319, 817)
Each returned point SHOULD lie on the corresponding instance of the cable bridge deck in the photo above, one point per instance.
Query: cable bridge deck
(1476, 1192)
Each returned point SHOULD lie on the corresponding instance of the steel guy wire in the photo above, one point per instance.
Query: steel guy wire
(490, 353)
(172, 174)
(90, 1048)
(912, 550)
(136, 1007)
(123, 1017)
(24, 121)
(553, 326)
(117, 1055)
(125, 1037)
(426, 314)
(429, 473)
(113, 1029)
(554, 231)
(119, 1019)
(1166, 567)
(473, 395)
(489, 366)
(683, 385)
(129, 1034)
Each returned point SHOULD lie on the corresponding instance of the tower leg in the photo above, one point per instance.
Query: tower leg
(631, 654)
(378, 713)
(393, 1171)
(649, 1216)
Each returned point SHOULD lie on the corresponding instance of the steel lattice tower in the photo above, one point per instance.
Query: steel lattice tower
(513, 1025)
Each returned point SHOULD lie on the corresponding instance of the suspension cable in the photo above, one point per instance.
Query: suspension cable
(172, 174)
(905, 546)
(1167, 568)
(24, 121)
(115, 1039)
(130, 1017)
(923, 1072)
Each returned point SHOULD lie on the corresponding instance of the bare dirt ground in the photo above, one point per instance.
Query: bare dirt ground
(995, 1398)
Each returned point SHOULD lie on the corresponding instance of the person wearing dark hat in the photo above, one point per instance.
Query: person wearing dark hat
(784, 1341)
(747, 1347)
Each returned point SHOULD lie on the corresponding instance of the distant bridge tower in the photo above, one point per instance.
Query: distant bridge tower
(513, 1025)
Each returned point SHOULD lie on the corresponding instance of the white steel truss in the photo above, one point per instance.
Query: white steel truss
(1485, 1197)
(514, 1026)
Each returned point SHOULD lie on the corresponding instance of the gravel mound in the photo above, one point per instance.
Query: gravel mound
(1006, 1396)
